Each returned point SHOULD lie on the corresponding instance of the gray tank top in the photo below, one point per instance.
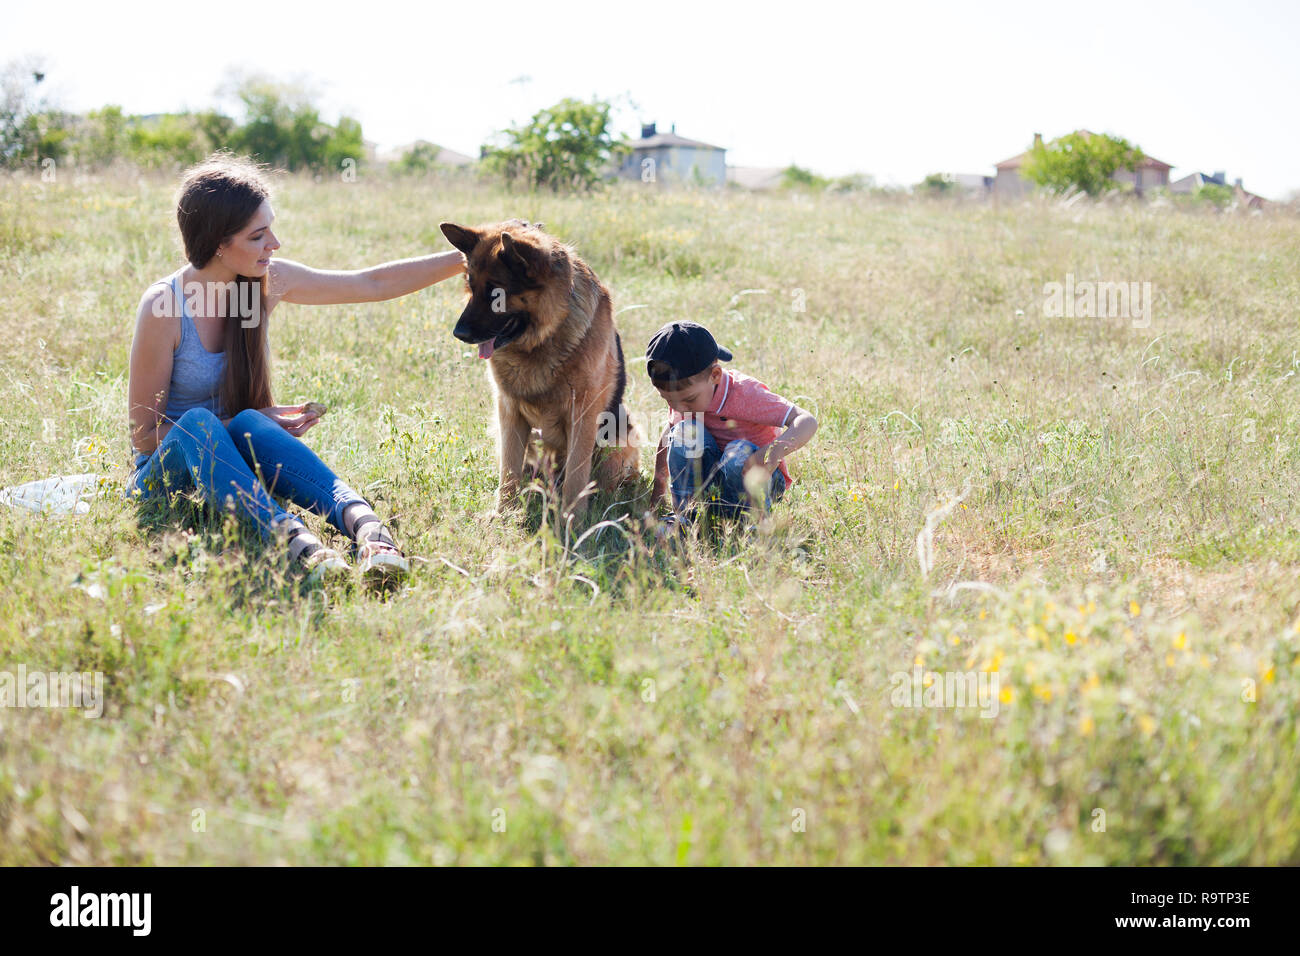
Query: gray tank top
(196, 372)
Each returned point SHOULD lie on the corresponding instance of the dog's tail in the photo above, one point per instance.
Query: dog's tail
(616, 408)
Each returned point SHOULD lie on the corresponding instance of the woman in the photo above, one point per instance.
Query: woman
(201, 411)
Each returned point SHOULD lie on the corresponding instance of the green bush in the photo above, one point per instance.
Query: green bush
(421, 158)
(1215, 194)
(936, 184)
(175, 139)
(794, 177)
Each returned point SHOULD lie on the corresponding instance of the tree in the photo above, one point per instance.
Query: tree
(344, 143)
(564, 147)
(283, 127)
(102, 138)
(30, 129)
(1080, 161)
(270, 110)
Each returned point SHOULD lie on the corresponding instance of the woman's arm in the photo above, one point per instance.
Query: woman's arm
(294, 282)
(150, 374)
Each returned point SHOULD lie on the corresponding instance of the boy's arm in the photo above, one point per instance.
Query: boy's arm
(659, 491)
(798, 433)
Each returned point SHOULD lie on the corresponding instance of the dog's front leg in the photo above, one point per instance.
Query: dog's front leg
(577, 460)
(512, 442)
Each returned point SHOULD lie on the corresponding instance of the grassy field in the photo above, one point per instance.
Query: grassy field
(1129, 520)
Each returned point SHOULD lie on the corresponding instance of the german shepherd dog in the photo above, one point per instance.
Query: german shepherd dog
(545, 325)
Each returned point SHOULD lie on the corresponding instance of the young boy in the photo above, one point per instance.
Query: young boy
(739, 454)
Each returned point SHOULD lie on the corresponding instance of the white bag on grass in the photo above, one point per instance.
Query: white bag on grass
(60, 494)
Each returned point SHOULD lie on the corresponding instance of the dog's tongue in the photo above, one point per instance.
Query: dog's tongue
(485, 349)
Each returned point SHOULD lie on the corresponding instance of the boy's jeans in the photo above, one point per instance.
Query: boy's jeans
(699, 470)
(220, 461)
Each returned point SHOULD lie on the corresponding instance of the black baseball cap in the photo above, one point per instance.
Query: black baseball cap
(686, 348)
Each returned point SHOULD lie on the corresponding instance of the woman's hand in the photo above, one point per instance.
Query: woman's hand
(295, 419)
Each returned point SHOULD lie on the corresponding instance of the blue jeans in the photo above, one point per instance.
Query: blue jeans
(698, 470)
(222, 463)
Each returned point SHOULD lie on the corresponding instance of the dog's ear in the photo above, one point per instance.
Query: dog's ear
(459, 236)
(522, 258)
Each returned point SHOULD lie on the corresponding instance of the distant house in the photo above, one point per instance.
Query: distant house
(1194, 181)
(1190, 183)
(669, 158)
(1151, 173)
(755, 177)
(444, 157)
(973, 184)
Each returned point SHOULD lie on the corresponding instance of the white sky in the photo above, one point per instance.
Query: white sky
(895, 90)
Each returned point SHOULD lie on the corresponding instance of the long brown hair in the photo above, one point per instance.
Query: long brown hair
(217, 199)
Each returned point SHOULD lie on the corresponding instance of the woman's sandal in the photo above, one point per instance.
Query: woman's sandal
(320, 562)
(377, 566)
